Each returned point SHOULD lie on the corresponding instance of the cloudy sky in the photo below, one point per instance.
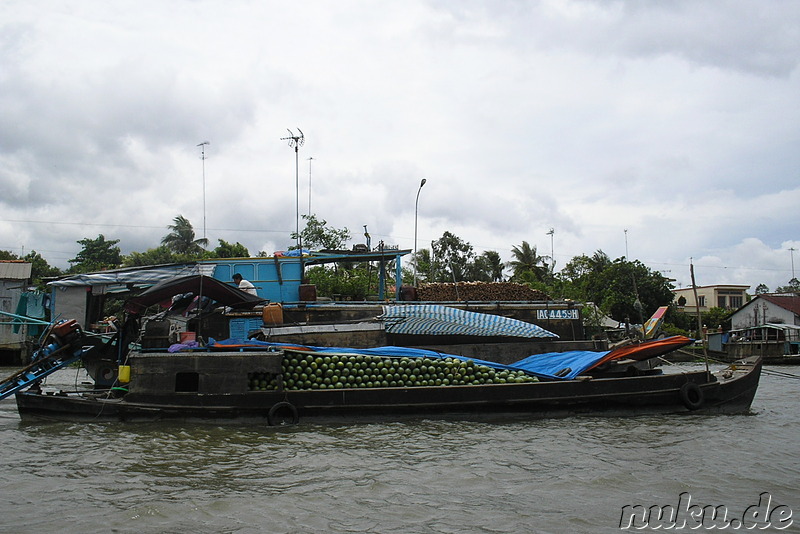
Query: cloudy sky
(665, 131)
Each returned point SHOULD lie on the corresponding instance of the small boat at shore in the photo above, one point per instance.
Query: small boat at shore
(281, 383)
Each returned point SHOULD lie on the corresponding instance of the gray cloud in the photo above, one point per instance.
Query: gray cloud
(674, 120)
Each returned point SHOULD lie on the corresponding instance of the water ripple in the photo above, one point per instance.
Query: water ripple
(426, 476)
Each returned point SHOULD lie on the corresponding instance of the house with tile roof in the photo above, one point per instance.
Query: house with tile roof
(768, 309)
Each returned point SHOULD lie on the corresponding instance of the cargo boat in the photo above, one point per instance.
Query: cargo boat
(279, 383)
(213, 386)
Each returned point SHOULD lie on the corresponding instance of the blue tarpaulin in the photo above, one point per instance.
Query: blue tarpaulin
(555, 365)
(388, 351)
(565, 365)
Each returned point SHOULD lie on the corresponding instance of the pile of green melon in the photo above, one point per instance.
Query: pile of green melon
(343, 371)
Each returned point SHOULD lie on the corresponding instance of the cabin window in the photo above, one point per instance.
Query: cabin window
(187, 382)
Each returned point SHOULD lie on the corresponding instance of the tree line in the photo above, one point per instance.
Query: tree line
(180, 245)
(621, 289)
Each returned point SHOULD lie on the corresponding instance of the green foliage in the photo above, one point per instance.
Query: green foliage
(792, 287)
(488, 267)
(761, 289)
(318, 236)
(422, 259)
(154, 256)
(622, 289)
(348, 284)
(716, 317)
(592, 319)
(40, 269)
(228, 250)
(181, 239)
(685, 323)
(8, 255)
(527, 264)
(96, 255)
(451, 259)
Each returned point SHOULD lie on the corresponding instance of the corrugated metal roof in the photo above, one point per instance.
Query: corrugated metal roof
(438, 320)
(15, 270)
(141, 276)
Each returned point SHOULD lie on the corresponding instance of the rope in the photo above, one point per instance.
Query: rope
(781, 374)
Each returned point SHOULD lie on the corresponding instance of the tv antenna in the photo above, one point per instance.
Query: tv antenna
(296, 141)
(203, 157)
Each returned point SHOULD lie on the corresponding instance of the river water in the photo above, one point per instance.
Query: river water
(418, 476)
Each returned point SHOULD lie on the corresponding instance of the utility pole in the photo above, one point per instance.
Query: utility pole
(309, 186)
(626, 244)
(791, 251)
(552, 257)
(296, 141)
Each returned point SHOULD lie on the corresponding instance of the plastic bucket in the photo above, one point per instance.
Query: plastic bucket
(188, 336)
(124, 374)
(272, 314)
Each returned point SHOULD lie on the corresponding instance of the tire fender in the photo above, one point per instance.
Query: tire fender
(282, 412)
(692, 396)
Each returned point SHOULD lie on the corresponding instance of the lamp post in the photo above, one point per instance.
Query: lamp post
(416, 209)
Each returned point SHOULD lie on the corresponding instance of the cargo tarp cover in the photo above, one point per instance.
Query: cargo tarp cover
(138, 276)
(438, 320)
(572, 363)
(565, 365)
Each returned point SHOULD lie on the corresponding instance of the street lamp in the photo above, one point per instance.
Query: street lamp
(416, 209)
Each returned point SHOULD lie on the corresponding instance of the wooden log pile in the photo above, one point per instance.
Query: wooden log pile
(478, 291)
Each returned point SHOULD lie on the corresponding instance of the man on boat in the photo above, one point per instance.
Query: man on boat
(244, 285)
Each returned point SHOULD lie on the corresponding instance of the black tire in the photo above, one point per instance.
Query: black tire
(283, 413)
(692, 396)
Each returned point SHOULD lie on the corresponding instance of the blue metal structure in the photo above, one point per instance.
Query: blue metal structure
(276, 278)
(59, 353)
(279, 278)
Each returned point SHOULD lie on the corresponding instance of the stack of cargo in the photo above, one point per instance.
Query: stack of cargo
(345, 371)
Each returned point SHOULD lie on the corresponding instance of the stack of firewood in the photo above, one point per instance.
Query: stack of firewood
(478, 291)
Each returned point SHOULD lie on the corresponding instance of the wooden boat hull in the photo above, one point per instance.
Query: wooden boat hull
(728, 392)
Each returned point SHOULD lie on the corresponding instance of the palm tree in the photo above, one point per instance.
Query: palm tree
(525, 260)
(494, 264)
(181, 239)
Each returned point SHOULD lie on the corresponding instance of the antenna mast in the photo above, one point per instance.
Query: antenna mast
(296, 141)
(203, 157)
